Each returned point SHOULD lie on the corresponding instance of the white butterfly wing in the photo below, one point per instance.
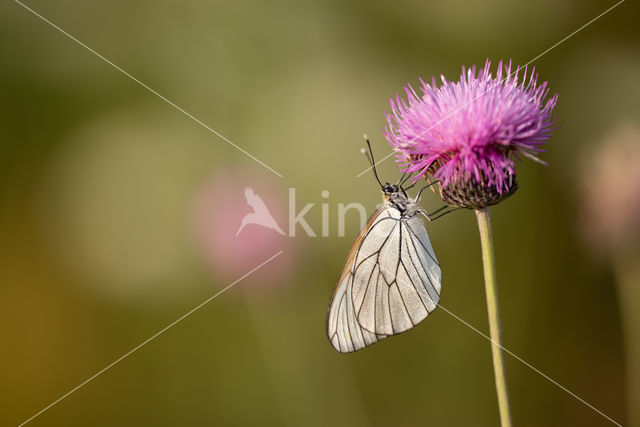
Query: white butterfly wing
(390, 282)
(397, 278)
(343, 330)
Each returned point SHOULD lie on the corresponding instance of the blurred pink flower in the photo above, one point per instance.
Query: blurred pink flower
(610, 187)
(233, 247)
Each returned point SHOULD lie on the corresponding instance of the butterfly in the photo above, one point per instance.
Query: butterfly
(391, 280)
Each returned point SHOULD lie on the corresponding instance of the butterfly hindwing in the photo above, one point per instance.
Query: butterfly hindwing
(344, 331)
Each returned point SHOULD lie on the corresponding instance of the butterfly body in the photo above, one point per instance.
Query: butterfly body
(395, 197)
(391, 279)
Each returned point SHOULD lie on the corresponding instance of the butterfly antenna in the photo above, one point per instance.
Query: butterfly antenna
(371, 160)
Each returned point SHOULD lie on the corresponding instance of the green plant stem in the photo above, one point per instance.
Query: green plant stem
(486, 241)
(627, 273)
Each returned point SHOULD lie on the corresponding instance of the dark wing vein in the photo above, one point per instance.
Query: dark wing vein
(426, 273)
(414, 286)
(422, 244)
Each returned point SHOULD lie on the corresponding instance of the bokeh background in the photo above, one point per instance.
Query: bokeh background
(118, 215)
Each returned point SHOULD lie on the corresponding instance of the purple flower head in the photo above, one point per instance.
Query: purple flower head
(470, 134)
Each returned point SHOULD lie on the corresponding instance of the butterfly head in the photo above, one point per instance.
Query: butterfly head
(388, 189)
(393, 195)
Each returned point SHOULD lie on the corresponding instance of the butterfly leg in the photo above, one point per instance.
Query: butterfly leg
(405, 177)
(430, 216)
(439, 210)
(403, 182)
(417, 199)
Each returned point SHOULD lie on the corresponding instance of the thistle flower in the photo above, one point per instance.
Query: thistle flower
(470, 134)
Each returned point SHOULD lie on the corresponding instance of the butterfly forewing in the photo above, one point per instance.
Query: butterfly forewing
(390, 282)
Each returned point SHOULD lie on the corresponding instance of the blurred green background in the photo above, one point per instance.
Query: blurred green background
(99, 180)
